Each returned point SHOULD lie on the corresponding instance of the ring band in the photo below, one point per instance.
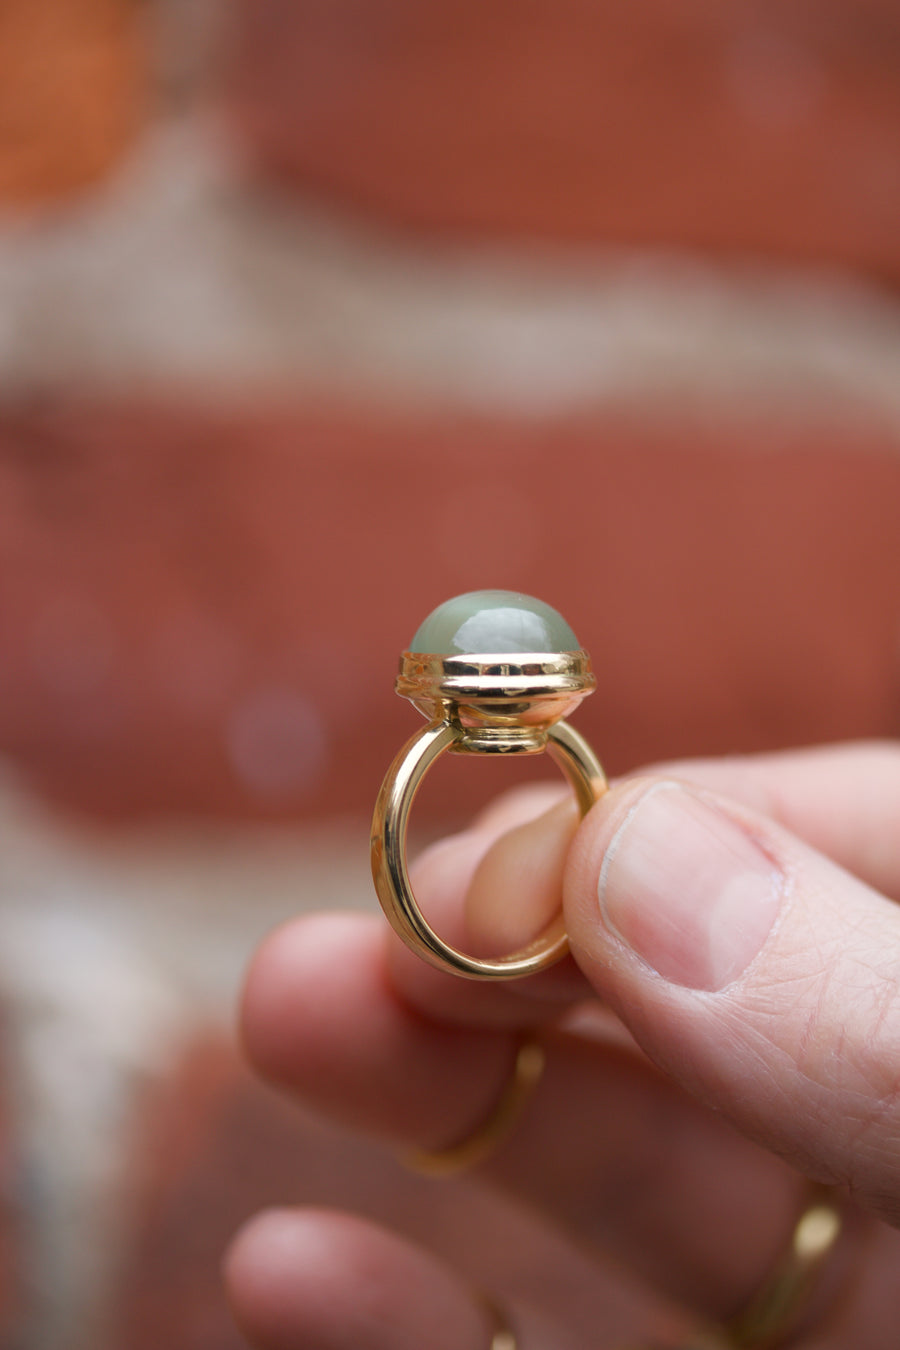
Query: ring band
(504, 1338)
(502, 1335)
(775, 1313)
(476, 1147)
(389, 871)
(776, 1309)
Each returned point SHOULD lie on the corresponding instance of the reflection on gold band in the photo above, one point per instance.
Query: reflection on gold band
(504, 1339)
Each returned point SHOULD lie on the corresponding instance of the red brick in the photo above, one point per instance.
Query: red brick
(72, 93)
(767, 127)
(202, 610)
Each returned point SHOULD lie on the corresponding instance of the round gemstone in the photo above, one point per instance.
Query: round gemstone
(494, 622)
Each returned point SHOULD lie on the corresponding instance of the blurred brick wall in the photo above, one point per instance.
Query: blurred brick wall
(763, 126)
(202, 611)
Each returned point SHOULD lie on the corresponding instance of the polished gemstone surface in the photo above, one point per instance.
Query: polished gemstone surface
(494, 622)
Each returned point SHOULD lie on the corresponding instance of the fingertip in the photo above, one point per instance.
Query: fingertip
(283, 992)
(332, 1281)
(284, 1272)
(584, 862)
(516, 889)
(487, 890)
(253, 1272)
(684, 883)
(323, 1022)
(519, 805)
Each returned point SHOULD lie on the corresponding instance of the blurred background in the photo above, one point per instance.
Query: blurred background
(313, 315)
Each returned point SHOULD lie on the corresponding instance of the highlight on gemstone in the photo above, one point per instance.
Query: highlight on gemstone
(493, 622)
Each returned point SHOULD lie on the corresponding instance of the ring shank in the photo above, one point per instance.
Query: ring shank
(580, 766)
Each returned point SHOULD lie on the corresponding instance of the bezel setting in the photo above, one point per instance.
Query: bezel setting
(504, 701)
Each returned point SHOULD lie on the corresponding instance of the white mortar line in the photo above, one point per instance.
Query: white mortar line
(179, 272)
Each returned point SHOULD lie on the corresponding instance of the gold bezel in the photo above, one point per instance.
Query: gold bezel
(496, 689)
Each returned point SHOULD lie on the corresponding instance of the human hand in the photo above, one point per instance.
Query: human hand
(745, 939)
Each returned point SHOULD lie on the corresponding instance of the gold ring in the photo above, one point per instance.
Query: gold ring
(494, 672)
(774, 1314)
(504, 1338)
(483, 1141)
(502, 1335)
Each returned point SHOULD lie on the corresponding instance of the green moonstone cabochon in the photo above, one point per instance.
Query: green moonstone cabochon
(496, 622)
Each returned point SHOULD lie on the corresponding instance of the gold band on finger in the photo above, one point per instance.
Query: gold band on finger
(777, 1309)
(482, 701)
(504, 1338)
(502, 1335)
(777, 1312)
(478, 1146)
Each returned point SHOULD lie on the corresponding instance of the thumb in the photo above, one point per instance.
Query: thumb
(753, 970)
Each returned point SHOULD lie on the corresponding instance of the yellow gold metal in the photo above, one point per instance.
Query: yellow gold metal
(482, 1142)
(774, 1315)
(484, 704)
(503, 1337)
(497, 690)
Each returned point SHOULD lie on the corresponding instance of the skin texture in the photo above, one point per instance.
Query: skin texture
(735, 931)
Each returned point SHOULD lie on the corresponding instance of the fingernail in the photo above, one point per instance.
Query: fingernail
(688, 889)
